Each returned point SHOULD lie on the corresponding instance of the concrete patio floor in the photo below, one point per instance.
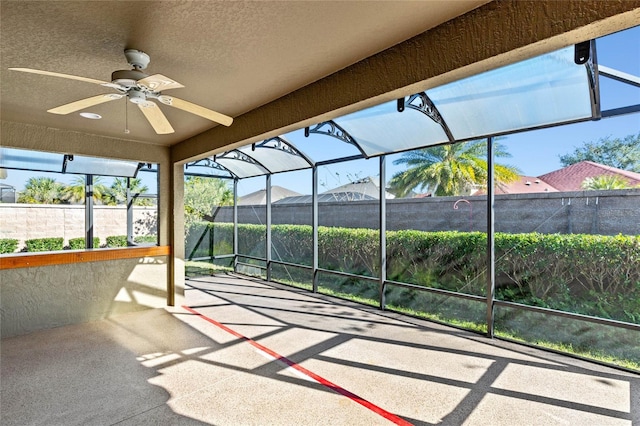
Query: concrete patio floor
(248, 352)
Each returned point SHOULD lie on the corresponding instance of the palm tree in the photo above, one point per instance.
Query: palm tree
(74, 193)
(605, 182)
(450, 169)
(117, 193)
(41, 190)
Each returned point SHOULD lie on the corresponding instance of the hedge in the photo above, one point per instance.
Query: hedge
(121, 240)
(80, 243)
(45, 244)
(117, 241)
(201, 235)
(8, 245)
(145, 239)
(588, 274)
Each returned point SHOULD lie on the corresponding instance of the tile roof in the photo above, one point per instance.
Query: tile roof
(570, 178)
(525, 185)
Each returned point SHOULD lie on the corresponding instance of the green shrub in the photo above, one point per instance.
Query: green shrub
(206, 239)
(117, 241)
(121, 240)
(145, 239)
(79, 243)
(45, 244)
(8, 245)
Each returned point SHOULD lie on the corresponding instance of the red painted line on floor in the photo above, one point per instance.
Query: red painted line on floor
(342, 391)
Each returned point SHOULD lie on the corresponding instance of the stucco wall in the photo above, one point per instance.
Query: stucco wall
(27, 221)
(52, 296)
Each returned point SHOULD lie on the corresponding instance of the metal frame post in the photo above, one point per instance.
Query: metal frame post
(235, 225)
(268, 225)
(314, 226)
(383, 230)
(88, 211)
(129, 214)
(491, 255)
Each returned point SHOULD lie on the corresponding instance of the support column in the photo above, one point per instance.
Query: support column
(177, 232)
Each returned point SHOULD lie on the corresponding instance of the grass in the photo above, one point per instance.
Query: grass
(568, 348)
(194, 269)
(467, 325)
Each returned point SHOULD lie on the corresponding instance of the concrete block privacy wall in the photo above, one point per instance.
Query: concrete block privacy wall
(27, 221)
(588, 212)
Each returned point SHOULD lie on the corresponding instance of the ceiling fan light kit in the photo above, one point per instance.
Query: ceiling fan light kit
(139, 88)
(91, 115)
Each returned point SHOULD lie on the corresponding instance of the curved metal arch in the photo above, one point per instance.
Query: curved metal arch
(421, 102)
(210, 163)
(236, 154)
(331, 128)
(281, 144)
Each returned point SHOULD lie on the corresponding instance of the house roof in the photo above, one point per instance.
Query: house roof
(259, 197)
(525, 185)
(326, 198)
(365, 188)
(570, 178)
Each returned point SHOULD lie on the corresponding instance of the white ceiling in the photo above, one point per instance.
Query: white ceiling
(231, 57)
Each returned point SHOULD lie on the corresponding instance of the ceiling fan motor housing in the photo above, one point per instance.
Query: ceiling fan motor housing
(127, 78)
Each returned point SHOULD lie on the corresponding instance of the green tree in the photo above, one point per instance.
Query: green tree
(117, 192)
(202, 195)
(41, 190)
(619, 153)
(449, 169)
(74, 193)
(605, 182)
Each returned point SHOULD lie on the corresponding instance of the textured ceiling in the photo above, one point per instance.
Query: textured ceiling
(231, 57)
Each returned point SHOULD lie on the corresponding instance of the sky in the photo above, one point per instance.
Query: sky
(534, 152)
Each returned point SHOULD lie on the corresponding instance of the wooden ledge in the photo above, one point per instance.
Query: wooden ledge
(20, 260)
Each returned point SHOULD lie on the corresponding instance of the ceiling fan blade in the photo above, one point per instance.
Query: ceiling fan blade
(159, 82)
(57, 74)
(196, 109)
(156, 118)
(84, 103)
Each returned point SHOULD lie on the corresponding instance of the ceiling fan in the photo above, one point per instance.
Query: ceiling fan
(140, 88)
